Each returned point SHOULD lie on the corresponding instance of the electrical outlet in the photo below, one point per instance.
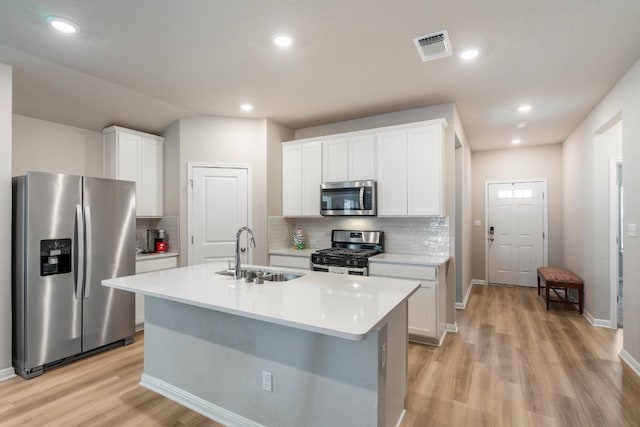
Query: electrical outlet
(267, 384)
(415, 246)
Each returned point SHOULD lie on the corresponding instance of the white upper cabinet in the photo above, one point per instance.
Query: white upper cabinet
(392, 175)
(292, 180)
(362, 157)
(410, 170)
(349, 159)
(424, 171)
(335, 153)
(311, 178)
(407, 162)
(301, 178)
(136, 156)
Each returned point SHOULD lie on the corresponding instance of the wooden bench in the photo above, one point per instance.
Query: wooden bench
(560, 278)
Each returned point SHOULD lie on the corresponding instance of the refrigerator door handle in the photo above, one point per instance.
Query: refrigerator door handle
(88, 258)
(80, 249)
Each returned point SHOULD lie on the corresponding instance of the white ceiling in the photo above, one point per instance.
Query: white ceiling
(145, 63)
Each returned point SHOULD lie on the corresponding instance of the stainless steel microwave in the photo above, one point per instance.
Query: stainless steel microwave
(356, 198)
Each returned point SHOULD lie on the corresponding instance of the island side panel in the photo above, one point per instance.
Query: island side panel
(397, 340)
(220, 358)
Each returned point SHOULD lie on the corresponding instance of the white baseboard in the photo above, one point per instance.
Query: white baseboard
(452, 327)
(7, 373)
(195, 403)
(598, 323)
(630, 361)
(462, 305)
(139, 327)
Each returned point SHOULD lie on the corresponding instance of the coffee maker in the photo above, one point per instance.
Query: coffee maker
(157, 240)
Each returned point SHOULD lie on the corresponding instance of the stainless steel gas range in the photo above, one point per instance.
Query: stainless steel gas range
(349, 252)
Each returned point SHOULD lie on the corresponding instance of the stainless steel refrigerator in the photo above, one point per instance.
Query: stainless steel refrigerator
(70, 233)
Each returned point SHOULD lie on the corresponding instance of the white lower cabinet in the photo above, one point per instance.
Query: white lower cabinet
(289, 261)
(427, 306)
(145, 266)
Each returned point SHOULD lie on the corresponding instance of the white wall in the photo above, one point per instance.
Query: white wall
(462, 236)
(172, 184)
(581, 195)
(605, 146)
(276, 133)
(5, 220)
(39, 145)
(222, 140)
(446, 111)
(544, 161)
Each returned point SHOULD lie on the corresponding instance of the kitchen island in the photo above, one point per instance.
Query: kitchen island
(318, 350)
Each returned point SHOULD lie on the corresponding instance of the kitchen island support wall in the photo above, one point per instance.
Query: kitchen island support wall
(213, 362)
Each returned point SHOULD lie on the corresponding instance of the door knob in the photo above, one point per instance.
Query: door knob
(243, 249)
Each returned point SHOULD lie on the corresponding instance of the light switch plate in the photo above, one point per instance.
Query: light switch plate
(632, 230)
(477, 223)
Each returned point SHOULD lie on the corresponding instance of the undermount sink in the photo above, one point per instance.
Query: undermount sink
(280, 277)
(269, 276)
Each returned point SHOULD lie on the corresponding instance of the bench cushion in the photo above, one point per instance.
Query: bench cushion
(558, 275)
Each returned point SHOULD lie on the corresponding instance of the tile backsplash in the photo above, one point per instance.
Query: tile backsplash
(424, 236)
(168, 223)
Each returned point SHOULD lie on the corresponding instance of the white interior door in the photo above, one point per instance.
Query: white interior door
(515, 232)
(219, 208)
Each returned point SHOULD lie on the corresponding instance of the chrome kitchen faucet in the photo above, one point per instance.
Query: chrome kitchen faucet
(253, 245)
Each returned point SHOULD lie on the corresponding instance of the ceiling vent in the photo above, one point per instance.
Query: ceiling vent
(433, 46)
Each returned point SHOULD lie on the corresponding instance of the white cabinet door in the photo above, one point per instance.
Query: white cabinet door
(335, 153)
(362, 158)
(128, 159)
(289, 261)
(144, 267)
(424, 171)
(422, 311)
(391, 150)
(291, 180)
(151, 179)
(130, 155)
(311, 178)
(301, 178)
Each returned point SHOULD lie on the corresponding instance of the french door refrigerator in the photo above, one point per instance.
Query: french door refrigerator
(70, 233)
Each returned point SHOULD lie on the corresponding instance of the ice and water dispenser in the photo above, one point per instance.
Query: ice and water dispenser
(55, 256)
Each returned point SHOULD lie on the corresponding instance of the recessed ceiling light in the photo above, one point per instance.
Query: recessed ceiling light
(246, 107)
(516, 141)
(469, 54)
(521, 124)
(524, 108)
(282, 40)
(63, 25)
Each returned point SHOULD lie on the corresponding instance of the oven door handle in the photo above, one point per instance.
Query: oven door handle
(363, 271)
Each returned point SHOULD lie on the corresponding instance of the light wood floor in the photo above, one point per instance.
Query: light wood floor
(511, 364)
(515, 364)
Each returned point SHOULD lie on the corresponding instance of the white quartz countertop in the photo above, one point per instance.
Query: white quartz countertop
(155, 255)
(292, 252)
(408, 259)
(344, 306)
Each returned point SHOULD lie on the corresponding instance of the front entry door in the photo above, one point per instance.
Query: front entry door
(515, 232)
(219, 209)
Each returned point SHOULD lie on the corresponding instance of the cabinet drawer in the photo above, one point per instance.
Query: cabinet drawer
(289, 261)
(145, 266)
(403, 271)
